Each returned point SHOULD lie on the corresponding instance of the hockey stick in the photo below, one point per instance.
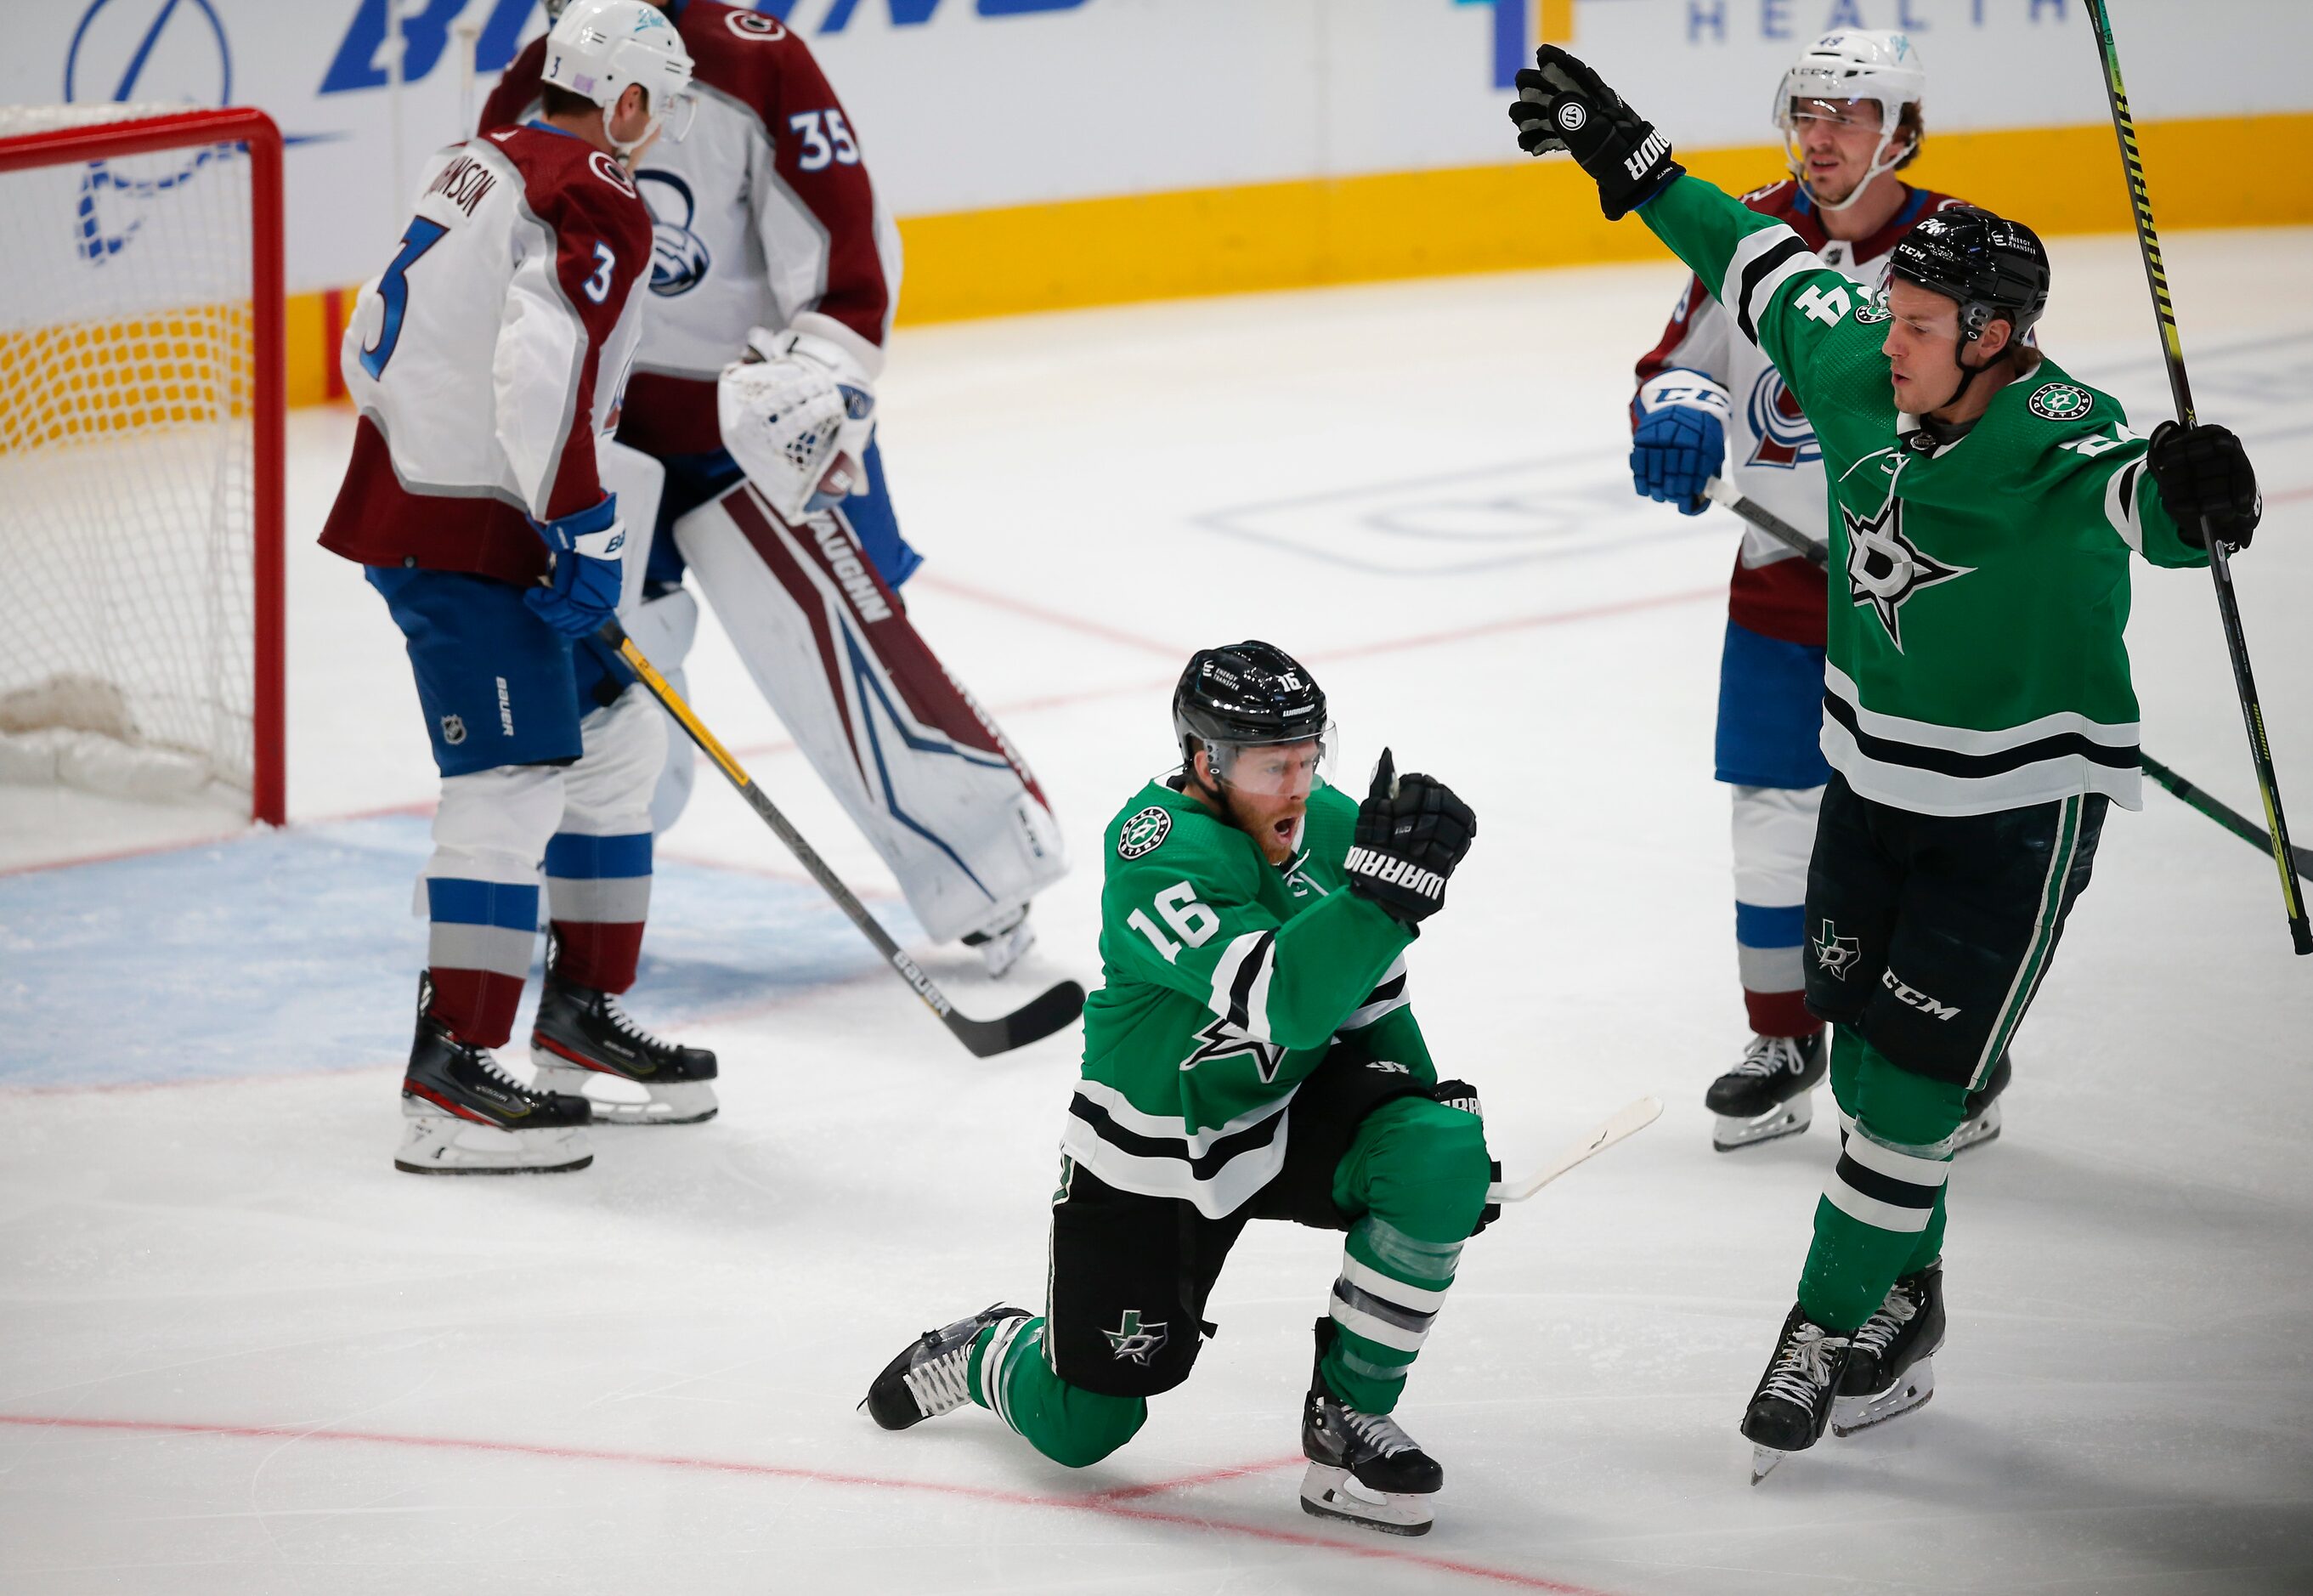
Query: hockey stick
(1627, 1121)
(1723, 492)
(1048, 1012)
(2172, 350)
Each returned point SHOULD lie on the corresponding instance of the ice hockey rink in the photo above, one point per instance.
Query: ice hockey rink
(241, 1354)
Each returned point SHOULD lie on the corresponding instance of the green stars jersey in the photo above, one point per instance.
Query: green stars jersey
(1979, 589)
(1224, 979)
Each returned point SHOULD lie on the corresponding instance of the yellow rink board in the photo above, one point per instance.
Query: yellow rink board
(1187, 243)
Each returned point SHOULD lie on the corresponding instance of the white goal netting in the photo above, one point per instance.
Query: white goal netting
(127, 486)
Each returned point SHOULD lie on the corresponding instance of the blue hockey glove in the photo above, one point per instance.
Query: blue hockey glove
(588, 568)
(1678, 438)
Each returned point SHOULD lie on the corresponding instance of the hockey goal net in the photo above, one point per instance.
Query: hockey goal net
(141, 481)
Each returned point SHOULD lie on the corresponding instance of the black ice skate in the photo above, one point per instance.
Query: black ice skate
(1792, 1405)
(582, 1034)
(465, 1115)
(1891, 1370)
(1343, 1445)
(1771, 1093)
(1983, 1121)
(933, 1374)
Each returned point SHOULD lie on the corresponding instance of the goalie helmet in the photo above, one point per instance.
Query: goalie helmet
(1856, 64)
(1248, 695)
(1996, 270)
(597, 47)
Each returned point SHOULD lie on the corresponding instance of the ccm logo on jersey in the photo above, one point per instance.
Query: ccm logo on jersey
(1916, 999)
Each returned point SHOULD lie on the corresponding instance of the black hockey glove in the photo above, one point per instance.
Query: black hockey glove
(1563, 105)
(1411, 831)
(1461, 1095)
(2204, 472)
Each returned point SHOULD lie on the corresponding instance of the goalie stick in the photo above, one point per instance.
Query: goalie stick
(1721, 491)
(1628, 1120)
(1047, 1012)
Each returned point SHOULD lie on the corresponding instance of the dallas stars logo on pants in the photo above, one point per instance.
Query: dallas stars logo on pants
(1836, 953)
(1134, 1340)
(1885, 567)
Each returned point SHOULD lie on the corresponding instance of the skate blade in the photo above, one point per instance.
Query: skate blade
(442, 1145)
(1850, 1413)
(678, 1103)
(1331, 1493)
(1975, 1133)
(1785, 1119)
(1763, 1460)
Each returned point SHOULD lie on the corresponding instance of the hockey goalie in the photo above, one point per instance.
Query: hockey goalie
(923, 770)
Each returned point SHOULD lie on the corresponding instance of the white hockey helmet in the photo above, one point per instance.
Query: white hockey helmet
(597, 47)
(1850, 64)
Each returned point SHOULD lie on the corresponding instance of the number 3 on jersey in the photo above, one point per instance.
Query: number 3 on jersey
(1191, 919)
(393, 288)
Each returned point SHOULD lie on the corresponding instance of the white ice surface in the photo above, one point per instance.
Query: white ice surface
(240, 1353)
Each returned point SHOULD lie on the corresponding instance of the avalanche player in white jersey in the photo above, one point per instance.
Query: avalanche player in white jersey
(487, 362)
(1709, 404)
(773, 247)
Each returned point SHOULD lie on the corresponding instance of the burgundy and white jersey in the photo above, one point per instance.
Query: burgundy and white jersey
(1771, 453)
(763, 216)
(488, 356)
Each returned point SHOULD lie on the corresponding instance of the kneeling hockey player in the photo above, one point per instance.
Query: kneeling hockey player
(487, 362)
(1979, 717)
(1251, 1054)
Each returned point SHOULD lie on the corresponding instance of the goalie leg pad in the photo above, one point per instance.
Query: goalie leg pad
(924, 772)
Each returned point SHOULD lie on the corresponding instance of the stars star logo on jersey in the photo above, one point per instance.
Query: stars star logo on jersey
(1134, 1340)
(1885, 567)
(2059, 401)
(1143, 831)
(1221, 1040)
(1834, 954)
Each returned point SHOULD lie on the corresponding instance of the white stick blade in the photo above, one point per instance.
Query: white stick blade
(1626, 1121)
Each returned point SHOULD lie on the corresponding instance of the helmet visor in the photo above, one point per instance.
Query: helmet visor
(1275, 769)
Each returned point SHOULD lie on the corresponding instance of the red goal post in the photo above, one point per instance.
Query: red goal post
(142, 471)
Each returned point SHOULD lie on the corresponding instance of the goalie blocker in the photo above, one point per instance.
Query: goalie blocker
(921, 769)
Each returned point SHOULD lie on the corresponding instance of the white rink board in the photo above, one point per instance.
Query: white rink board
(240, 1353)
(966, 104)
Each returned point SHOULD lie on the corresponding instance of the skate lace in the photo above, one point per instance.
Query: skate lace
(621, 1022)
(1769, 1055)
(941, 1384)
(1881, 1329)
(488, 1062)
(1378, 1432)
(1803, 1368)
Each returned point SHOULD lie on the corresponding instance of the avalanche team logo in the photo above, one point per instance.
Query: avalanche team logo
(678, 260)
(1144, 831)
(2061, 401)
(1134, 1340)
(1785, 440)
(1836, 954)
(1885, 567)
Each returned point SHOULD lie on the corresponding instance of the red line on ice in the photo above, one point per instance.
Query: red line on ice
(1106, 1504)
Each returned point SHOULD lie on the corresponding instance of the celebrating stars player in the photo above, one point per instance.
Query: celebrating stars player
(1251, 1053)
(1979, 717)
(487, 362)
(1850, 113)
